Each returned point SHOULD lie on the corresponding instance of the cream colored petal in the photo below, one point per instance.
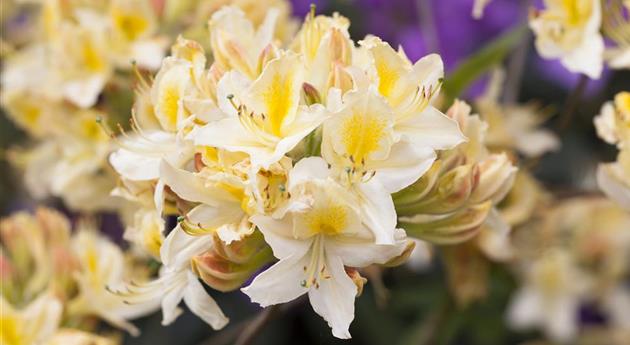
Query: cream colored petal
(334, 299)
(280, 283)
(202, 304)
(189, 186)
(431, 129)
(377, 211)
(276, 92)
(587, 58)
(279, 235)
(178, 248)
(610, 184)
(355, 252)
(405, 165)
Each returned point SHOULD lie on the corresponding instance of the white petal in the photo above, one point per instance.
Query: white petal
(610, 185)
(405, 165)
(211, 217)
(170, 302)
(535, 143)
(588, 58)
(561, 319)
(187, 185)
(361, 253)
(278, 234)
(202, 304)
(84, 93)
(280, 283)
(334, 299)
(42, 316)
(431, 129)
(148, 54)
(307, 169)
(377, 211)
(179, 247)
(526, 309)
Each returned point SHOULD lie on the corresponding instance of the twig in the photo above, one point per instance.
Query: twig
(256, 325)
(427, 25)
(572, 102)
(516, 65)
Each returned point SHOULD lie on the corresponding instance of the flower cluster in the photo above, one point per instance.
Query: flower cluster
(55, 282)
(570, 31)
(292, 151)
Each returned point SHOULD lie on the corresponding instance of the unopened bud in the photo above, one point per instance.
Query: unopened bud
(311, 95)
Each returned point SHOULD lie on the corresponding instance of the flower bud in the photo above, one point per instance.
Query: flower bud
(311, 95)
(227, 267)
(497, 176)
(447, 229)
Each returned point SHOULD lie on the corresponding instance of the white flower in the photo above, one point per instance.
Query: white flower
(34, 324)
(320, 233)
(264, 118)
(388, 126)
(569, 31)
(102, 268)
(550, 297)
(177, 282)
(236, 44)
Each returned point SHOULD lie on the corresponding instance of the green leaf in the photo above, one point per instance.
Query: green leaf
(481, 62)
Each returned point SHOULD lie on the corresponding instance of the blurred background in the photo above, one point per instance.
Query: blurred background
(404, 306)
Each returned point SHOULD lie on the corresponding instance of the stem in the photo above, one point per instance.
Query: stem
(250, 331)
(572, 102)
(427, 24)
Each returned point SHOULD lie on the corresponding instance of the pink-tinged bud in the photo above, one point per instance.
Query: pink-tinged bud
(403, 257)
(269, 53)
(450, 193)
(467, 271)
(455, 228)
(227, 267)
(357, 279)
(188, 50)
(6, 269)
(311, 95)
(340, 78)
(340, 47)
(497, 176)
(419, 189)
(460, 112)
(56, 227)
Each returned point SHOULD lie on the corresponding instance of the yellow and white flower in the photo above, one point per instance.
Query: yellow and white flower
(550, 296)
(264, 118)
(569, 31)
(34, 324)
(387, 127)
(102, 268)
(320, 232)
(177, 282)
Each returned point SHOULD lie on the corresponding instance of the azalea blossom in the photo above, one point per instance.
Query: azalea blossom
(176, 282)
(319, 233)
(550, 297)
(264, 117)
(569, 31)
